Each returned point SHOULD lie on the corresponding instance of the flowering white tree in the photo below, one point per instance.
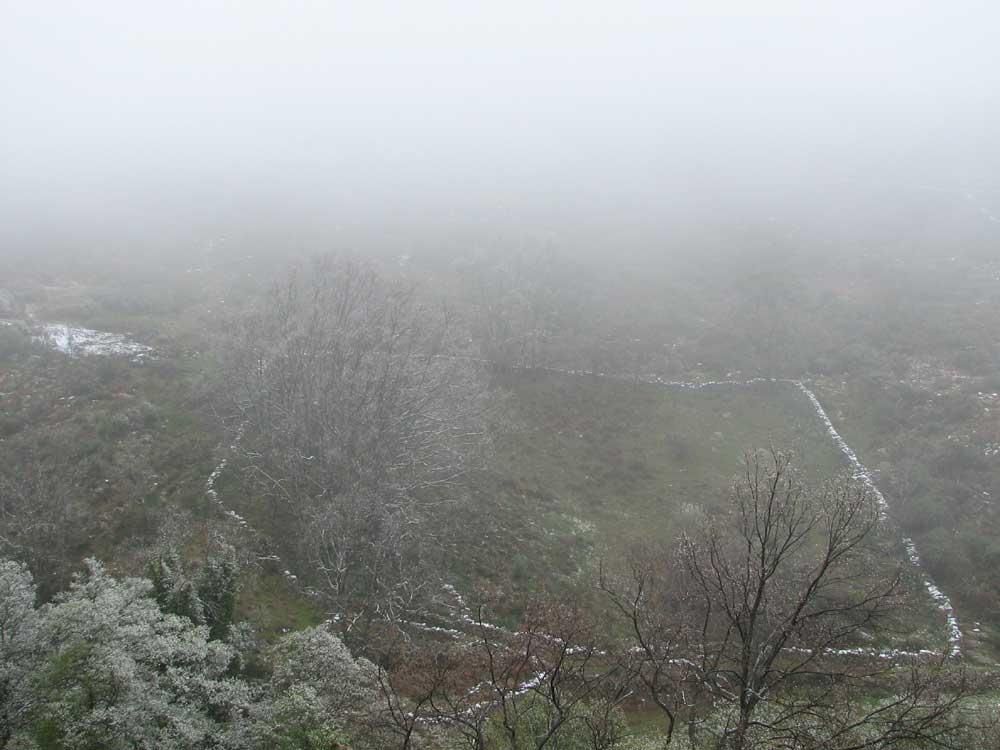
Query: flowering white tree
(19, 654)
(103, 666)
(317, 658)
(109, 669)
(318, 695)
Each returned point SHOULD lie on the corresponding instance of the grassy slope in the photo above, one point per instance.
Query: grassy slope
(853, 416)
(628, 461)
(593, 468)
(136, 442)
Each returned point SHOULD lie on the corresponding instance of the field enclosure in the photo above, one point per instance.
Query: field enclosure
(591, 467)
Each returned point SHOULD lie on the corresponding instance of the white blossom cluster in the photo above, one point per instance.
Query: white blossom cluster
(103, 666)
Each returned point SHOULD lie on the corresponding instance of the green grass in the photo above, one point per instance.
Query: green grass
(855, 407)
(594, 468)
(590, 469)
(629, 461)
(274, 606)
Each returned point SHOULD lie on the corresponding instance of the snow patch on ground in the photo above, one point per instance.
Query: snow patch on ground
(76, 341)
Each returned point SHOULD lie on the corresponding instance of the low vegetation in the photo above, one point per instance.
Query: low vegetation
(348, 515)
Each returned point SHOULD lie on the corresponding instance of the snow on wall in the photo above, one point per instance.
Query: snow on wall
(858, 472)
(861, 473)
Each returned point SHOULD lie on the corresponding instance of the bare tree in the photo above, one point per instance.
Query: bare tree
(649, 606)
(765, 612)
(556, 677)
(42, 520)
(352, 423)
(431, 687)
(516, 309)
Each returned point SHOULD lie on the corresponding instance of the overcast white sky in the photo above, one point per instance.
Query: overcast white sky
(117, 108)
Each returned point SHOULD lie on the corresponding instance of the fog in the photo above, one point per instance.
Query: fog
(597, 126)
(586, 374)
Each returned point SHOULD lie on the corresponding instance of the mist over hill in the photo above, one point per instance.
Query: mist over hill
(506, 376)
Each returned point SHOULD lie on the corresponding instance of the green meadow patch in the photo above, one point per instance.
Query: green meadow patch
(592, 468)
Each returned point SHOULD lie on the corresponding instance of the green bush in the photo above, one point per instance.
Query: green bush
(919, 514)
(113, 426)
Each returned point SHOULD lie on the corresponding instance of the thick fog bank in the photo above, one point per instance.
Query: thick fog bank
(643, 128)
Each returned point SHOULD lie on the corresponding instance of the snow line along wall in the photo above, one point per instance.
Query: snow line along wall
(861, 473)
(212, 494)
(858, 470)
